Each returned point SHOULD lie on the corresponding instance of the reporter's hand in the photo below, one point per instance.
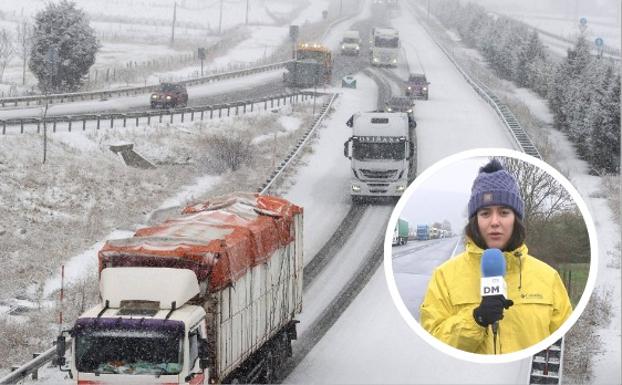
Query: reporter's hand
(490, 310)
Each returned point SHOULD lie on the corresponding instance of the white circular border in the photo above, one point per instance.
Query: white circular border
(489, 358)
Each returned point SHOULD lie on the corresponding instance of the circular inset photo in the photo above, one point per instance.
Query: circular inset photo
(490, 255)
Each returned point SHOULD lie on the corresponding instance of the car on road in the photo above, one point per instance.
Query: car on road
(417, 86)
(402, 104)
(169, 95)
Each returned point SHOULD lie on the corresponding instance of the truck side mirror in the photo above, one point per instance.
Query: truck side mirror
(60, 350)
(350, 121)
(346, 149)
(203, 354)
(411, 150)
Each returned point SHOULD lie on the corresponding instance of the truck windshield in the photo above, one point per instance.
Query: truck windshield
(381, 42)
(129, 349)
(350, 40)
(310, 55)
(367, 150)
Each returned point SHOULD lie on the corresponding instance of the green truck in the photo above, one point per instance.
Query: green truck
(400, 234)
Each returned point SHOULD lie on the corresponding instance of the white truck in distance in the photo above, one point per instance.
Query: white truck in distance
(206, 297)
(381, 153)
(384, 47)
(351, 43)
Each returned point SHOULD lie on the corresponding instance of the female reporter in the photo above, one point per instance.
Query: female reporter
(537, 303)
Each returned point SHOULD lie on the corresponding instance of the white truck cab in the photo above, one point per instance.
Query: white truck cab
(381, 152)
(351, 43)
(384, 47)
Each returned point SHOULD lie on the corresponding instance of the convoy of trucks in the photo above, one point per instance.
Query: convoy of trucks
(400, 234)
(312, 66)
(207, 297)
(381, 153)
(384, 47)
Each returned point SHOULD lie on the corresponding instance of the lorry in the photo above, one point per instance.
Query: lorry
(351, 43)
(312, 66)
(384, 47)
(381, 152)
(209, 296)
(400, 234)
(423, 232)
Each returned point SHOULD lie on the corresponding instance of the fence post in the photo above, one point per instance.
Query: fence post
(172, 113)
(21, 123)
(161, 117)
(70, 126)
(111, 121)
(84, 124)
(98, 120)
(137, 120)
(54, 126)
(148, 120)
(124, 120)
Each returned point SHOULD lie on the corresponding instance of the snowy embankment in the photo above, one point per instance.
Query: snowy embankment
(607, 367)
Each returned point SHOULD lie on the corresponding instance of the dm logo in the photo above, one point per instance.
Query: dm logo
(492, 290)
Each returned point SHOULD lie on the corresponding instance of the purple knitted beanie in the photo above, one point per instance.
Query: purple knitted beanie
(495, 186)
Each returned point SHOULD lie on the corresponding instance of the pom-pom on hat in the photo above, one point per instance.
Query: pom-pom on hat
(495, 186)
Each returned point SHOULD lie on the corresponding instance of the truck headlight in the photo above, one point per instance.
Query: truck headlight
(409, 88)
(400, 188)
(375, 60)
(356, 188)
(168, 97)
(394, 61)
(154, 96)
(343, 46)
(425, 88)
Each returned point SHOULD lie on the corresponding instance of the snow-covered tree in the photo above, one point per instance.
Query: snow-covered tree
(64, 47)
(24, 45)
(528, 53)
(605, 154)
(6, 50)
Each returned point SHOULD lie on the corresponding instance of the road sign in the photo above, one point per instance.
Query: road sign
(583, 21)
(599, 42)
(201, 53)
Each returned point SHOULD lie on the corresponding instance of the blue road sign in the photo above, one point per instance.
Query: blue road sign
(599, 42)
(583, 21)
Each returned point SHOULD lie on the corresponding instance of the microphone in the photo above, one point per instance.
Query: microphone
(492, 282)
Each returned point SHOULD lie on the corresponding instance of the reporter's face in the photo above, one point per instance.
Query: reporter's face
(495, 224)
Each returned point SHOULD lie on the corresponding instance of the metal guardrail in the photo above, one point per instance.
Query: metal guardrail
(31, 368)
(79, 122)
(79, 96)
(301, 143)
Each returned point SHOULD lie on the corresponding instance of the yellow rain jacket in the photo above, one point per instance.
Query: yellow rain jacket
(541, 303)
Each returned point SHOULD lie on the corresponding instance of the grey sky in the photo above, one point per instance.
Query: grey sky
(444, 195)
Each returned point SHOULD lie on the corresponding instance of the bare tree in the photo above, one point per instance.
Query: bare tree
(24, 44)
(542, 194)
(6, 51)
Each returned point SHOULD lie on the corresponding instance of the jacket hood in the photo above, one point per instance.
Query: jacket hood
(513, 259)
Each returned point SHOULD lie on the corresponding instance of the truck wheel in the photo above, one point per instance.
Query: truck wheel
(268, 376)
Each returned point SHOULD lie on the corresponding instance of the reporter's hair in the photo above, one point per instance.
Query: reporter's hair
(471, 230)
